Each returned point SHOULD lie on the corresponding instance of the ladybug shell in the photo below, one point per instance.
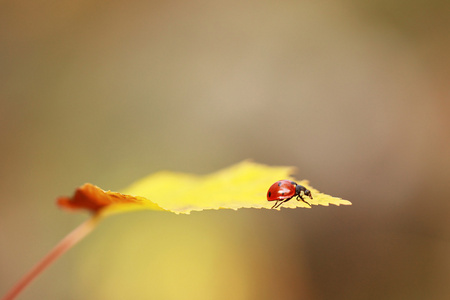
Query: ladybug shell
(281, 190)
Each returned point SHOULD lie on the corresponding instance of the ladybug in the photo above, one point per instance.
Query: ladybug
(284, 190)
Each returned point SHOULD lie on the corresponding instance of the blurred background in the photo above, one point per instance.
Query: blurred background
(354, 94)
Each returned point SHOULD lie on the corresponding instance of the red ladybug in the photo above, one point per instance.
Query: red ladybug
(284, 190)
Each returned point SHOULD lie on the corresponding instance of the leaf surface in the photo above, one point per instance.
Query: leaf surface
(243, 185)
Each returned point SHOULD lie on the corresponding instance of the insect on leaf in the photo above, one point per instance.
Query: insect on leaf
(243, 185)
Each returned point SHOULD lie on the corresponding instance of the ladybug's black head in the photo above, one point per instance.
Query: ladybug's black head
(308, 193)
(300, 188)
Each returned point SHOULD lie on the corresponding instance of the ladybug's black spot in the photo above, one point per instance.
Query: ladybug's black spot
(270, 194)
(279, 183)
(282, 193)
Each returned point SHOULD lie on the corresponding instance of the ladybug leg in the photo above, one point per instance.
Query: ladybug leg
(301, 198)
(279, 202)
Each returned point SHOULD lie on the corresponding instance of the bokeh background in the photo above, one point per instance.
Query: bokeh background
(354, 94)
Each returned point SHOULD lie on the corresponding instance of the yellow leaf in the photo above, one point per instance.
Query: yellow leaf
(243, 185)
